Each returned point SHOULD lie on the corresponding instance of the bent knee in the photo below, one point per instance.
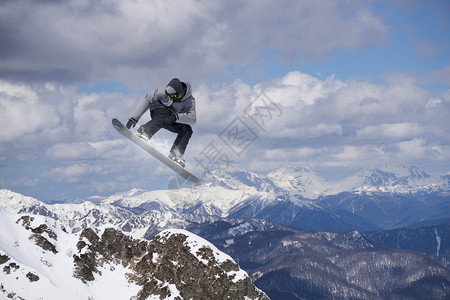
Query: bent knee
(187, 130)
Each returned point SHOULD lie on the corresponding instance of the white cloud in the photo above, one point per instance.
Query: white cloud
(37, 115)
(358, 156)
(71, 151)
(314, 29)
(138, 42)
(50, 48)
(75, 173)
(22, 113)
(341, 125)
(110, 149)
(298, 89)
(397, 131)
(413, 149)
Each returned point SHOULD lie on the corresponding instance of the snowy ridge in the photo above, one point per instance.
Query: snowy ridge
(215, 200)
(404, 180)
(76, 217)
(39, 259)
(27, 260)
(15, 202)
(246, 195)
(307, 183)
(196, 243)
(303, 181)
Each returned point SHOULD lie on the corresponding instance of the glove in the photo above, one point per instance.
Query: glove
(172, 118)
(131, 123)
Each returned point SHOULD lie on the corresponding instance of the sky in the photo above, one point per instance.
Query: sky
(333, 85)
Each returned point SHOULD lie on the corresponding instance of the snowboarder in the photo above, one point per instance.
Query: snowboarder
(171, 108)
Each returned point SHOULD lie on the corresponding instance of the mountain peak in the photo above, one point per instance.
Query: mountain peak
(40, 260)
(416, 173)
(299, 181)
(15, 201)
(175, 263)
(375, 177)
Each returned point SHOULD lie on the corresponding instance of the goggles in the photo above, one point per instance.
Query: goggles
(173, 93)
(174, 96)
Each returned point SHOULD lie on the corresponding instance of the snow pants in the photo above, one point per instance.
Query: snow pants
(159, 120)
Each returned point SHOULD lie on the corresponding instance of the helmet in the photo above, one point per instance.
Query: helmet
(175, 89)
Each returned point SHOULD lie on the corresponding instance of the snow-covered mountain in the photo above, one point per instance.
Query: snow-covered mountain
(229, 209)
(41, 260)
(299, 181)
(400, 180)
(309, 184)
(371, 199)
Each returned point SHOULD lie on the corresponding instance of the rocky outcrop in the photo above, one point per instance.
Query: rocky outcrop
(41, 234)
(174, 264)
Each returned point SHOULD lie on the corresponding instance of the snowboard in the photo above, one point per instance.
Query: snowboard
(158, 155)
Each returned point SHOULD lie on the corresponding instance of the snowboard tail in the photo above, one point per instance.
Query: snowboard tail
(158, 155)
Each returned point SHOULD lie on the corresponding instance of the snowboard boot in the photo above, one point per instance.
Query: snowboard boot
(143, 135)
(178, 159)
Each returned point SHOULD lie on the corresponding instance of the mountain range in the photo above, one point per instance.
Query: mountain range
(296, 233)
(372, 199)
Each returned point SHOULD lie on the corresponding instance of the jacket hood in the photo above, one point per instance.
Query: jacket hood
(188, 91)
